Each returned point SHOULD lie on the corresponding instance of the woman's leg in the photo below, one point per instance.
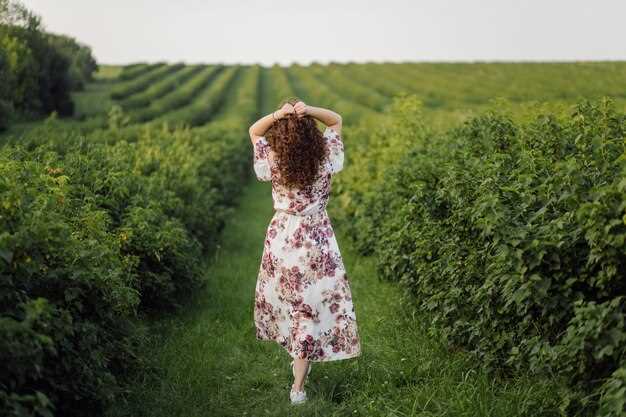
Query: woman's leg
(301, 367)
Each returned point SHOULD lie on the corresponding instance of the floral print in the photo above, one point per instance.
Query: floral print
(303, 299)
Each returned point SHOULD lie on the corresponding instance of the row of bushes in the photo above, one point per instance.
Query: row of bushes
(160, 88)
(38, 70)
(179, 98)
(509, 235)
(346, 85)
(305, 83)
(135, 70)
(208, 102)
(94, 230)
(136, 85)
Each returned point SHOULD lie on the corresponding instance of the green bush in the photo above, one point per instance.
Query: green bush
(510, 236)
(94, 230)
(82, 63)
(6, 102)
(66, 293)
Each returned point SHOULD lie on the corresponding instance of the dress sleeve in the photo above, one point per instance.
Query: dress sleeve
(335, 149)
(260, 160)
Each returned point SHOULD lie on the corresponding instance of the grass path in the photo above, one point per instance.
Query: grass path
(210, 363)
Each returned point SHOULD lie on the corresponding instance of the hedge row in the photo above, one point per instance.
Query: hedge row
(346, 86)
(207, 103)
(306, 85)
(509, 235)
(180, 97)
(135, 70)
(140, 83)
(92, 231)
(160, 88)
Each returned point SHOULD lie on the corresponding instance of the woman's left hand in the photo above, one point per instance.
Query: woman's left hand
(286, 109)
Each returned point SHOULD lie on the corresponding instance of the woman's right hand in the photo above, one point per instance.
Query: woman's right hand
(301, 109)
(286, 109)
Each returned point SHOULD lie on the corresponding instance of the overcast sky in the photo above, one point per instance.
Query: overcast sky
(267, 32)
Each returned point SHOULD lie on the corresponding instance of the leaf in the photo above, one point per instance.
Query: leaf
(7, 255)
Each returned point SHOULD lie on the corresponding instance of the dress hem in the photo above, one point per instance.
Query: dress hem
(325, 359)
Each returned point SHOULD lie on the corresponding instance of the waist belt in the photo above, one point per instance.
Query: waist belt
(302, 214)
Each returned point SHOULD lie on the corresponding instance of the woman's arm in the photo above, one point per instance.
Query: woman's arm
(259, 127)
(326, 116)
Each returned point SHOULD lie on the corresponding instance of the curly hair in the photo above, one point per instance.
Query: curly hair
(299, 147)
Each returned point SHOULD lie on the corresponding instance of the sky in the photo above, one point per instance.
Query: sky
(284, 32)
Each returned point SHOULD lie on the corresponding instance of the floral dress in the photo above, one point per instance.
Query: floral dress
(302, 297)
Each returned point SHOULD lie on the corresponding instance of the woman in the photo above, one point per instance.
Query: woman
(302, 298)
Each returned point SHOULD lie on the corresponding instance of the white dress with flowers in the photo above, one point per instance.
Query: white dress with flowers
(302, 297)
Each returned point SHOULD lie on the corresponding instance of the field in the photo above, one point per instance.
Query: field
(481, 213)
(450, 93)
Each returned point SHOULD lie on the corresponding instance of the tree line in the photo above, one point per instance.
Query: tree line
(38, 69)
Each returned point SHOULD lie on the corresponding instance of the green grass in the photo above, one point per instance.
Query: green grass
(207, 361)
(95, 100)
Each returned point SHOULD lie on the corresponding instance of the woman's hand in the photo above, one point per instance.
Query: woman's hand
(286, 109)
(301, 109)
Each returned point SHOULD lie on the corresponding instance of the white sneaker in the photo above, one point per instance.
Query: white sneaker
(297, 397)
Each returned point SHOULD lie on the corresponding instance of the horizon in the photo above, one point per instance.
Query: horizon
(521, 61)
